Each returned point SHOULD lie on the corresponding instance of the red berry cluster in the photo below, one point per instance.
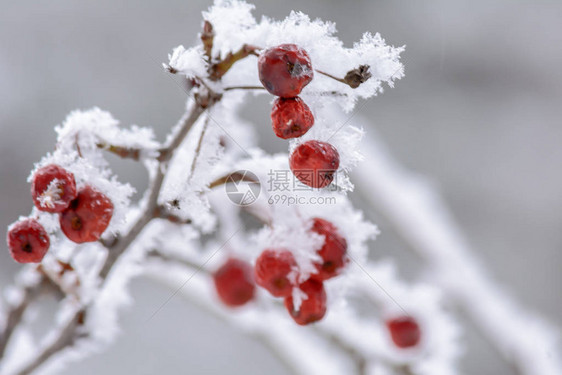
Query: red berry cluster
(83, 214)
(284, 71)
(277, 271)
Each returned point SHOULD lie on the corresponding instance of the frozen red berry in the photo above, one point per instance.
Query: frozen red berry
(87, 216)
(291, 117)
(273, 271)
(52, 188)
(313, 308)
(314, 163)
(28, 241)
(404, 331)
(333, 252)
(234, 282)
(285, 70)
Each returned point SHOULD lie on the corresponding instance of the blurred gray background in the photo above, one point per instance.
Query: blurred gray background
(479, 113)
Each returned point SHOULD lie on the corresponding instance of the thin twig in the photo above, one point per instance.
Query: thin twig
(199, 145)
(331, 76)
(123, 152)
(219, 69)
(229, 88)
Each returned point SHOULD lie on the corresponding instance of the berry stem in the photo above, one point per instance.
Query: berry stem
(354, 78)
(123, 152)
(243, 88)
(207, 38)
(220, 68)
(330, 76)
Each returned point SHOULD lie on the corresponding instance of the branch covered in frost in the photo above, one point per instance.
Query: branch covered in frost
(213, 146)
(363, 69)
(24, 295)
(418, 215)
(344, 333)
(74, 329)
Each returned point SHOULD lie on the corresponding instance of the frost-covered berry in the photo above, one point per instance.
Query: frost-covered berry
(314, 163)
(404, 331)
(234, 282)
(273, 271)
(313, 308)
(87, 216)
(285, 70)
(291, 117)
(28, 241)
(52, 188)
(333, 252)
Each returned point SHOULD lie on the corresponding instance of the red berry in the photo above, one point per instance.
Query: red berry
(52, 188)
(291, 117)
(234, 282)
(28, 241)
(272, 271)
(87, 216)
(314, 163)
(405, 331)
(285, 70)
(313, 308)
(333, 251)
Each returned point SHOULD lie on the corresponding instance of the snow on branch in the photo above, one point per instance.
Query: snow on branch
(292, 251)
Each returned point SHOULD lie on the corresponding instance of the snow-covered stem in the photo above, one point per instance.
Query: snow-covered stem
(260, 332)
(16, 311)
(120, 244)
(338, 339)
(421, 219)
(64, 338)
(69, 332)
